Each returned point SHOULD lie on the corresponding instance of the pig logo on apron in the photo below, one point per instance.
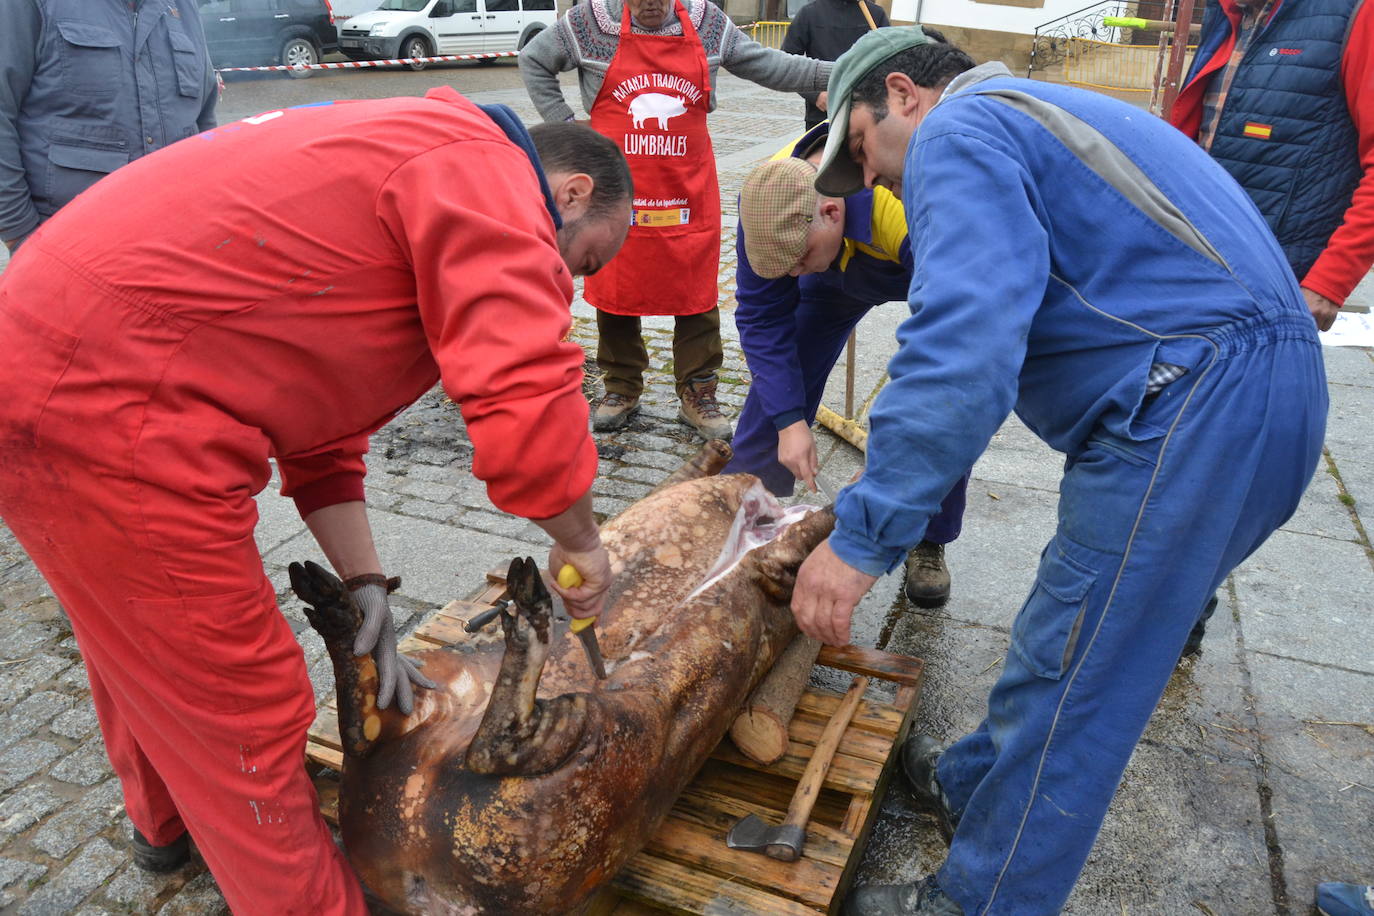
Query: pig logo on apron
(657, 106)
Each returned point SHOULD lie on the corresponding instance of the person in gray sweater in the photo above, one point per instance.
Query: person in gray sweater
(585, 40)
(676, 229)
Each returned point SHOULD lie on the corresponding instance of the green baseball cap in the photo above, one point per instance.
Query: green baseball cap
(839, 175)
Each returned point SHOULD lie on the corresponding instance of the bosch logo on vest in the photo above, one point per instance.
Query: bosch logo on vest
(648, 105)
(1285, 51)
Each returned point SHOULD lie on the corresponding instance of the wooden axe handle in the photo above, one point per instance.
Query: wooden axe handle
(809, 789)
(869, 16)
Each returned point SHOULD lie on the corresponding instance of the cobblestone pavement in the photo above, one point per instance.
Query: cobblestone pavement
(1252, 784)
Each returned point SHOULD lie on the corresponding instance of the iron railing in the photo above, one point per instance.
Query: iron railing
(1052, 39)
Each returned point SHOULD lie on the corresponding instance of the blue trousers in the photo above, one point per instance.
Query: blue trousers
(824, 320)
(1150, 524)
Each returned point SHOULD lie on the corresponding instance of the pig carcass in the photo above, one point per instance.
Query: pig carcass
(656, 106)
(522, 784)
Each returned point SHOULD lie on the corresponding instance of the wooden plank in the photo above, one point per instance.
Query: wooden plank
(446, 631)
(768, 790)
(875, 717)
(846, 774)
(325, 729)
(680, 889)
(806, 730)
(857, 814)
(327, 788)
(716, 814)
(704, 850)
(328, 756)
(888, 666)
(609, 903)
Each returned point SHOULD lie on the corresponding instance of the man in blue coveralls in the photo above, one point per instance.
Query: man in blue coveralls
(808, 269)
(1087, 265)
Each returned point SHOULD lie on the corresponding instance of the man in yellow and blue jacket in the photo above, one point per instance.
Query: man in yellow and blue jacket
(809, 267)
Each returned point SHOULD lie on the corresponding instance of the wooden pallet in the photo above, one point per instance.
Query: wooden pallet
(686, 867)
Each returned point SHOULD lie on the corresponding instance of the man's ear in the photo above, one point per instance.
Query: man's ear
(832, 209)
(902, 94)
(572, 194)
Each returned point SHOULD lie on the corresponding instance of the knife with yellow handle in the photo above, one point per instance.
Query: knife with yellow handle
(582, 627)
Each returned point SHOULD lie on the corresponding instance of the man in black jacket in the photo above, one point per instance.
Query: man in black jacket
(824, 29)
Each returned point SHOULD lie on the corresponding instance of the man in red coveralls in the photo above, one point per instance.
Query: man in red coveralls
(168, 335)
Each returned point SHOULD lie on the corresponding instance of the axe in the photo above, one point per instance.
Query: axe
(784, 842)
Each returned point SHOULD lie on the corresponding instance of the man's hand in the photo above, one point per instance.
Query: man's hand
(1323, 309)
(594, 566)
(823, 100)
(827, 590)
(797, 452)
(378, 636)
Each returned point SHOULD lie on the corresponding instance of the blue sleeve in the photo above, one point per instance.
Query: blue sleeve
(20, 28)
(765, 314)
(982, 265)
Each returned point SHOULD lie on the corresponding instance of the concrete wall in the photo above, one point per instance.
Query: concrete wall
(1011, 48)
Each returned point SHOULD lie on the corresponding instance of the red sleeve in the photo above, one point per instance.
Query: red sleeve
(1186, 114)
(1350, 251)
(325, 478)
(494, 297)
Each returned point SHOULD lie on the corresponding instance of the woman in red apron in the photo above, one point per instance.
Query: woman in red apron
(653, 104)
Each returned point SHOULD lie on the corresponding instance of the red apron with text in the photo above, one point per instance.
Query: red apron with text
(653, 106)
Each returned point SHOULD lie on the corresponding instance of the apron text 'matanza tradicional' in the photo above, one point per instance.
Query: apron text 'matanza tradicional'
(653, 104)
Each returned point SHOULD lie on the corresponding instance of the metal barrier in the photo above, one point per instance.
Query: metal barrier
(306, 69)
(769, 34)
(1106, 65)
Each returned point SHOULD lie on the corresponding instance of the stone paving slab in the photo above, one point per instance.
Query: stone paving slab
(1253, 781)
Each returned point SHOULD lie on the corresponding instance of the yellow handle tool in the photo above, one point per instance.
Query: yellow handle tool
(568, 577)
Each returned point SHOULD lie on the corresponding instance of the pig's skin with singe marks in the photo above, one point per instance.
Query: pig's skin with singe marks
(592, 768)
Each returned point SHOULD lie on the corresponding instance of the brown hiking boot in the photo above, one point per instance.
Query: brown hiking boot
(700, 410)
(614, 411)
(927, 577)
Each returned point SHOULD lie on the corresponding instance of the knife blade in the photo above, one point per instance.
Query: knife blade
(825, 489)
(583, 627)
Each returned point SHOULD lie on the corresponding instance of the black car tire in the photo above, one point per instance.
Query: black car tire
(297, 49)
(415, 46)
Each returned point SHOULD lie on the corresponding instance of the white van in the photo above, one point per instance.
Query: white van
(426, 28)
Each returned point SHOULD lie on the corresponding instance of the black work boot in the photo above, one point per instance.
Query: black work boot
(161, 859)
(924, 898)
(1194, 644)
(927, 576)
(920, 756)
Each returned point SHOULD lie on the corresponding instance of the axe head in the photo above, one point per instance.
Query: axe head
(753, 834)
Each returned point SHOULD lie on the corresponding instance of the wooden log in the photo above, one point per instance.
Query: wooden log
(760, 730)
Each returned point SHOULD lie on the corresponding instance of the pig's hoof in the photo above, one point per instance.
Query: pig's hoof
(328, 605)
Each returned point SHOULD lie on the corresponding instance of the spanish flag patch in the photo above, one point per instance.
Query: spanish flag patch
(1262, 131)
